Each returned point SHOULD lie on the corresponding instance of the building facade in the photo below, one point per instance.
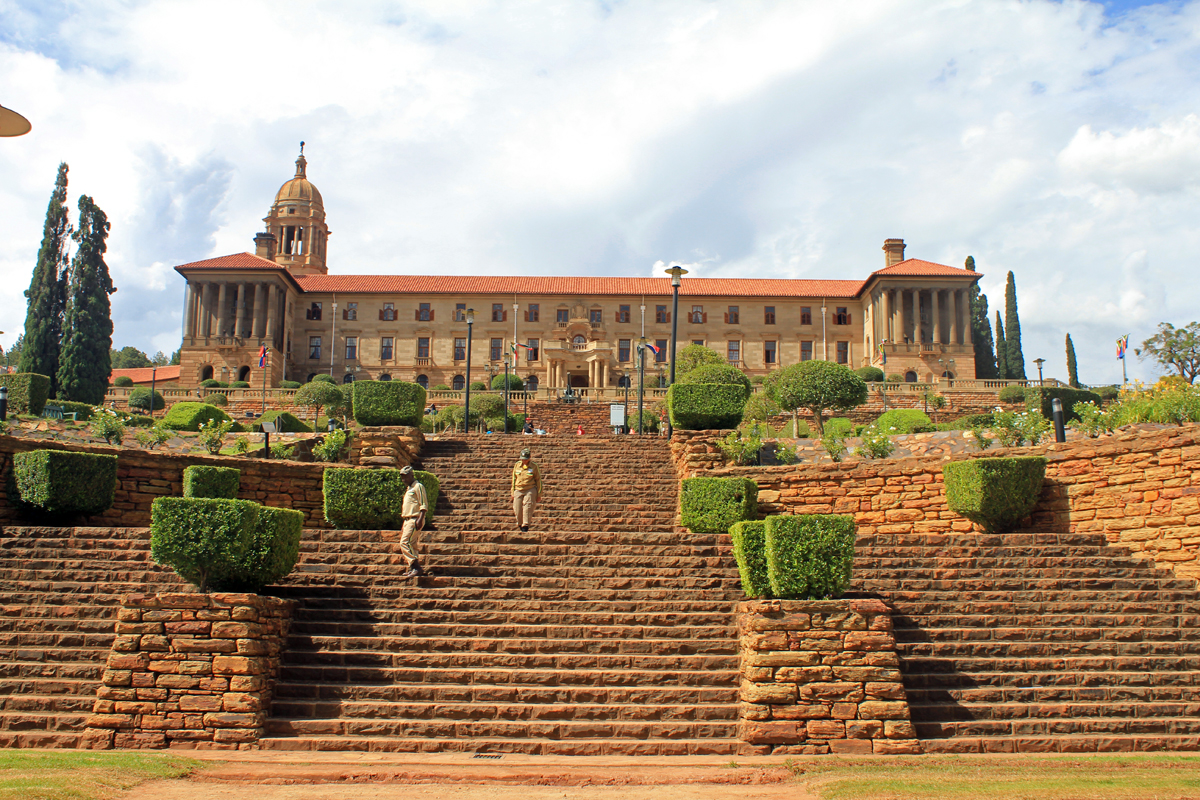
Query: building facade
(910, 318)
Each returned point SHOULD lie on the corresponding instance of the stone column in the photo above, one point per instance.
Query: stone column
(953, 297)
(549, 380)
(884, 331)
(967, 317)
(272, 302)
(222, 309)
(256, 328)
(916, 315)
(935, 307)
(189, 310)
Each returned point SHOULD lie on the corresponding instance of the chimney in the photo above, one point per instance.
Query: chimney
(264, 246)
(894, 250)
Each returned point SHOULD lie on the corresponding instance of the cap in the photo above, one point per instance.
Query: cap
(406, 470)
(525, 453)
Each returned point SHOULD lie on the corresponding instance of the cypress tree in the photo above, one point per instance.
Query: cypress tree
(1072, 367)
(1014, 358)
(85, 367)
(1001, 350)
(981, 331)
(47, 293)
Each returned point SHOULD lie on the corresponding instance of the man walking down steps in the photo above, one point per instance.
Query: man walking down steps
(526, 489)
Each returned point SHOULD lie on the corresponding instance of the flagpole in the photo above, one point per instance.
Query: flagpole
(266, 355)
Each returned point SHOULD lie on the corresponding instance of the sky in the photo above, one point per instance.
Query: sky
(1058, 139)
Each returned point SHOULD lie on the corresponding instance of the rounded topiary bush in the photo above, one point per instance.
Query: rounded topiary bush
(212, 383)
(290, 384)
(188, 416)
(903, 420)
(515, 384)
(895, 377)
(141, 399)
(1012, 394)
(216, 400)
(122, 380)
(869, 374)
(478, 386)
(716, 373)
(239, 385)
(323, 378)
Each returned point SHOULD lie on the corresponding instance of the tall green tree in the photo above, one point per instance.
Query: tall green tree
(1174, 348)
(85, 366)
(47, 293)
(1014, 359)
(129, 358)
(1072, 366)
(1001, 349)
(13, 356)
(981, 331)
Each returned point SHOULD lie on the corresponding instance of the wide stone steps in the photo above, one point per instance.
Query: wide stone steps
(486, 710)
(683, 744)
(420, 678)
(551, 729)
(618, 688)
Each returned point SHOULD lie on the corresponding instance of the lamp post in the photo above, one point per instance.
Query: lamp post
(641, 378)
(491, 371)
(676, 272)
(333, 338)
(467, 399)
(624, 376)
(3, 403)
(153, 379)
(507, 361)
(1039, 362)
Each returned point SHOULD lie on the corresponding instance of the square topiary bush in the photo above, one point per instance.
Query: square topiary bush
(706, 406)
(809, 556)
(750, 550)
(1040, 398)
(285, 422)
(188, 415)
(64, 483)
(271, 552)
(713, 505)
(202, 539)
(220, 482)
(27, 392)
(371, 499)
(432, 487)
(996, 493)
(388, 403)
(902, 420)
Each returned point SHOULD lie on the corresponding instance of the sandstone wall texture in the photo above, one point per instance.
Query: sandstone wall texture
(190, 670)
(821, 677)
(386, 446)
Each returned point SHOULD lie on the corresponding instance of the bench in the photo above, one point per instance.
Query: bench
(56, 412)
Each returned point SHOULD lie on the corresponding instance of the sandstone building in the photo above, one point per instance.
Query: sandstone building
(910, 317)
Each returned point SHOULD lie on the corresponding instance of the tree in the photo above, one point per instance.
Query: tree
(1072, 367)
(1014, 359)
(1174, 348)
(1001, 350)
(129, 358)
(981, 331)
(85, 368)
(318, 395)
(175, 358)
(47, 294)
(160, 359)
(13, 357)
(819, 386)
(695, 355)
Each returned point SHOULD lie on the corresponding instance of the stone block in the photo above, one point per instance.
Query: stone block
(883, 709)
(771, 732)
(769, 693)
(227, 720)
(200, 703)
(237, 665)
(850, 746)
(826, 729)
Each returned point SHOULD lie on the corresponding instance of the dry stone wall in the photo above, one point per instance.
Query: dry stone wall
(386, 446)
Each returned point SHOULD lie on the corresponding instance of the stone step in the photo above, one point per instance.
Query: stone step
(369, 661)
(388, 646)
(508, 631)
(529, 746)
(602, 689)
(421, 676)
(1097, 743)
(1062, 726)
(554, 729)
(438, 714)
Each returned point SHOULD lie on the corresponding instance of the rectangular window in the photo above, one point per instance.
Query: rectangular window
(841, 316)
(498, 313)
(314, 348)
(623, 314)
(661, 355)
(733, 352)
(623, 350)
(497, 349)
(460, 349)
(313, 312)
(351, 311)
(843, 352)
(731, 316)
(805, 315)
(532, 314)
(806, 351)
(385, 348)
(769, 353)
(388, 312)
(563, 315)
(351, 348)
(768, 315)
(422, 347)
(698, 341)
(424, 313)
(661, 314)
(534, 350)
(460, 312)
(596, 317)
(697, 316)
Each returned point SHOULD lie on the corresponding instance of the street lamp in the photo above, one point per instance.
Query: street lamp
(623, 375)
(333, 338)
(1039, 362)
(676, 272)
(507, 361)
(641, 378)
(467, 399)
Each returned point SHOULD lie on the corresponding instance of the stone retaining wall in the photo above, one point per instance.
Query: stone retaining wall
(190, 670)
(386, 446)
(821, 677)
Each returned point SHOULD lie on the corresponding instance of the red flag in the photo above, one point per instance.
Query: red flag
(262, 356)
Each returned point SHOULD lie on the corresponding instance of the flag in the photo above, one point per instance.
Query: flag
(1122, 345)
(652, 347)
(518, 344)
(883, 352)
(262, 356)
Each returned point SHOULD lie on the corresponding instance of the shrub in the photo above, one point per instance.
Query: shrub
(27, 392)
(290, 384)
(331, 446)
(819, 386)
(65, 483)
(895, 377)
(840, 426)
(83, 411)
(478, 386)
(239, 384)
(980, 436)
(1040, 398)
(1012, 394)
(706, 406)
(515, 384)
(750, 550)
(122, 380)
(271, 552)
(450, 417)
(441, 387)
(757, 380)
(285, 422)
(809, 556)
(760, 407)
(1013, 429)
(902, 420)
(323, 378)
(108, 426)
(1091, 420)
(213, 383)
(388, 403)
(695, 355)
(876, 443)
(716, 373)
(212, 435)
(371, 499)
(202, 539)
(189, 415)
(996, 493)
(711, 505)
(219, 482)
(216, 399)
(152, 437)
(834, 444)
(321, 394)
(742, 450)
(141, 398)
(1107, 393)
(869, 374)
(139, 421)
(281, 451)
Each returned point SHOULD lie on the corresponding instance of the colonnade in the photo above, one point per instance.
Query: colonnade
(243, 309)
(922, 316)
(599, 373)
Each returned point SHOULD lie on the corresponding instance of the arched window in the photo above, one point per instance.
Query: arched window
(311, 375)
(531, 383)
(423, 380)
(622, 381)
(579, 339)
(948, 374)
(206, 372)
(910, 377)
(459, 383)
(385, 377)
(244, 374)
(348, 378)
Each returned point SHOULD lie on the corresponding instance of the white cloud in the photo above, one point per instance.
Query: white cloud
(1161, 158)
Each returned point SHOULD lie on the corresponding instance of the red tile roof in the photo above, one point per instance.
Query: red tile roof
(234, 261)
(915, 267)
(144, 374)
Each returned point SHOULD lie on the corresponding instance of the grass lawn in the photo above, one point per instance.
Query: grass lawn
(82, 775)
(1001, 777)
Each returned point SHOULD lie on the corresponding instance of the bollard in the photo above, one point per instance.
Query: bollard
(1056, 410)
(4, 404)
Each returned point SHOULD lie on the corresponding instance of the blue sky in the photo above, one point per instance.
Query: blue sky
(1057, 139)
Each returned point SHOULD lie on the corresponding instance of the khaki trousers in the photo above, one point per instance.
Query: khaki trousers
(408, 540)
(523, 503)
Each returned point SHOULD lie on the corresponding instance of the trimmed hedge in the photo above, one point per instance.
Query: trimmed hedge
(997, 493)
(1012, 394)
(139, 421)
(432, 487)
(239, 384)
(904, 420)
(716, 373)
(213, 383)
(750, 550)
(65, 483)
(188, 415)
(290, 384)
(839, 426)
(27, 392)
(712, 505)
(271, 553)
(370, 499)
(141, 398)
(1040, 397)
(216, 399)
(201, 538)
(388, 403)
(706, 406)
(869, 374)
(123, 381)
(810, 556)
(219, 482)
(285, 422)
(83, 411)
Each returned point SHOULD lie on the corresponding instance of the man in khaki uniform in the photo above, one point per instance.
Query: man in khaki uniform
(413, 510)
(526, 489)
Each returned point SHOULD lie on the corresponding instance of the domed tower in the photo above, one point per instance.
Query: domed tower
(296, 232)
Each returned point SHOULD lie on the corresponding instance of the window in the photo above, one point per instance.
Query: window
(350, 312)
(806, 351)
(458, 383)
(388, 312)
(910, 377)
(531, 383)
(841, 316)
(579, 339)
(498, 314)
(351, 348)
(623, 350)
(731, 316)
(460, 312)
(697, 316)
(423, 380)
(423, 347)
(733, 352)
(424, 313)
(348, 377)
(698, 341)
(805, 315)
(314, 311)
(843, 352)
(532, 314)
(460, 349)
(563, 315)
(768, 315)
(385, 377)
(661, 355)
(596, 316)
(314, 347)
(623, 314)
(769, 353)
(385, 348)
(661, 314)
(497, 349)
(623, 381)
(534, 349)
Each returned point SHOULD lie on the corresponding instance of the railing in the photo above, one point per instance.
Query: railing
(424, 362)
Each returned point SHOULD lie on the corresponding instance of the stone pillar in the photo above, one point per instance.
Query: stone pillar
(256, 327)
(239, 319)
(222, 309)
(916, 315)
(604, 374)
(884, 331)
(967, 317)
(272, 301)
(189, 310)
(953, 297)
(935, 310)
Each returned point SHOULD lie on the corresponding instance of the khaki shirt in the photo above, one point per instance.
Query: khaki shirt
(525, 478)
(416, 501)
